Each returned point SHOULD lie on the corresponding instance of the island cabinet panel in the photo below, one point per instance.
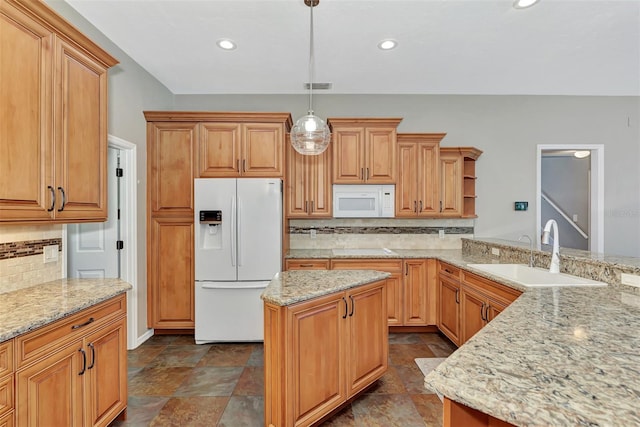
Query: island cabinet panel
(53, 111)
(456, 415)
(393, 284)
(449, 301)
(322, 352)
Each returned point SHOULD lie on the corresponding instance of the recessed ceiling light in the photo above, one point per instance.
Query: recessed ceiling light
(226, 44)
(387, 44)
(523, 4)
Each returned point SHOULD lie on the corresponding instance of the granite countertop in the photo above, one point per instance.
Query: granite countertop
(290, 287)
(556, 356)
(29, 308)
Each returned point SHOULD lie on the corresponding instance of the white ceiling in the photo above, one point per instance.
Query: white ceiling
(564, 47)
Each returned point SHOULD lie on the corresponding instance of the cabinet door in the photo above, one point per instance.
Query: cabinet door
(449, 308)
(50, 392)
(472, 313)
(318, 351)
(219, 150)
(107, 373)
(296, 199)
(170, 167)
(380, 152)
(348, 156)
(416, 299)
(406, 187)
(25, 112)
(428, 179)
(450, 184)
(393, 289)
(368, 336)
(80, 135)
(262, 150)
(319, 188)
(494, 308)
(170, 282)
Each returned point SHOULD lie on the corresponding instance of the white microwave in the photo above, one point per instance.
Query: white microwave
(364, 201)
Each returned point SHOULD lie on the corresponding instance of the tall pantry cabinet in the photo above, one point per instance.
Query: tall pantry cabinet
(181, 146)
(53, 111)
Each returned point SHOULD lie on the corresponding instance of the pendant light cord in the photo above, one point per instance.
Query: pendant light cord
(311, 61)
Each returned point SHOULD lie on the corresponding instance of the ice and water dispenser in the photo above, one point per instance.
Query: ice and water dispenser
(210, 229)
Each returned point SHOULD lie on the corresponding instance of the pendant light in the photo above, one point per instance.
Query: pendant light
(310, 135)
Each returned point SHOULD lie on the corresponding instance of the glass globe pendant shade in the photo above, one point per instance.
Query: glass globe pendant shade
(310, 135)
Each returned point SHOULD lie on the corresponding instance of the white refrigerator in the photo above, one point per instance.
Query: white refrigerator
(238, 247)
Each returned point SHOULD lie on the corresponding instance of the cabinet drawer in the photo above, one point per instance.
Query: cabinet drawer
(33, 345)
(389, 266)
(6, 395)
(490, 288)
(6, 358)
(307, 264)
(448, 270)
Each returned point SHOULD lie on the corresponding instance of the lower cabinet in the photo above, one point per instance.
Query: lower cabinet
(322, 352)
(73, 372)
(449, 302)
(307, 264)
(419, 304)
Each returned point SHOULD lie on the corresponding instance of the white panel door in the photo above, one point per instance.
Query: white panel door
(91, 248)
(215, 246)
(259, 228)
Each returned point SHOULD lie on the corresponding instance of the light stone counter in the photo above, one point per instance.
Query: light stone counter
(555, 357)
(29, 308)
(290, 287)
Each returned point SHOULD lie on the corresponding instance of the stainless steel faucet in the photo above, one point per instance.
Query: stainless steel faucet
(524, 236)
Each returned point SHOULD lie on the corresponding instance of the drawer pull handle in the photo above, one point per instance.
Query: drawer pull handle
(346, 307)
(64, 199)
(482, 312)
(306, 265)
(84, 361)
(448, 271)
(420, 205)
(93, 356)
(53, 198)
(457, 296)
(353, 306)
(88, 322)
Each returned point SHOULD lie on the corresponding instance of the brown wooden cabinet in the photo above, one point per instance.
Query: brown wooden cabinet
(457, 181)
(307, 264)
(73, 372)
(321, 352)
(416, 300)
(481, 301)
(170, 271)
(308, 185)
(364, 150)
(417, 188)
(393, 284)
(449, 301)
(54, 115)
(7, 387)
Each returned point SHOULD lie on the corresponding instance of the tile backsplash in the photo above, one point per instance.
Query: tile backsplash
(379, 232)
(21, 256)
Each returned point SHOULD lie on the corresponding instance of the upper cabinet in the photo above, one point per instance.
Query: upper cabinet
(53, 111)
(308, 185)
(417, 188)
(364, 150)
(457, 181)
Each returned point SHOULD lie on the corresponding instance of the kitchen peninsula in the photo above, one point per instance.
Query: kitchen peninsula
(325, 341)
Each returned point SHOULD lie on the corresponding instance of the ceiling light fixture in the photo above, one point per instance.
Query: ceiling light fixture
(226, 44)
(523, 4)
(581, 154)
(387, 44)
(310, 135)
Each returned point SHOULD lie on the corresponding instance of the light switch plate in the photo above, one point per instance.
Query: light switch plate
(50, 253)
(495, 251)
(441, 234)
(313, 233)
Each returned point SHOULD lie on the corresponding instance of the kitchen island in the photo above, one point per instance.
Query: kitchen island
(325, 341)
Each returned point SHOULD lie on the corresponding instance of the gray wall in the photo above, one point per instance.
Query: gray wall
(507, 129)
(131, 91)
(565, 179)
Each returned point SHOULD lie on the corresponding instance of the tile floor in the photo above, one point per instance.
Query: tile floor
(174, 382)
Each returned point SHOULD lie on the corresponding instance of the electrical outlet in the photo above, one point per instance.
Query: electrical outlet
(495, 251)
(313, 233)
(441, 234)
(630, 280)
(50, 253)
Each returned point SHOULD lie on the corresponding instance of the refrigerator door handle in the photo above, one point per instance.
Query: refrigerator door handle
(239, 231)
(233, 231)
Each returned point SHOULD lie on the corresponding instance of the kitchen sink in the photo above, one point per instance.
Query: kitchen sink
(533, 276)
(371, 252)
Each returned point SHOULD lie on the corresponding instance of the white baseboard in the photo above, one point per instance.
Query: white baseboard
(142, 338)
